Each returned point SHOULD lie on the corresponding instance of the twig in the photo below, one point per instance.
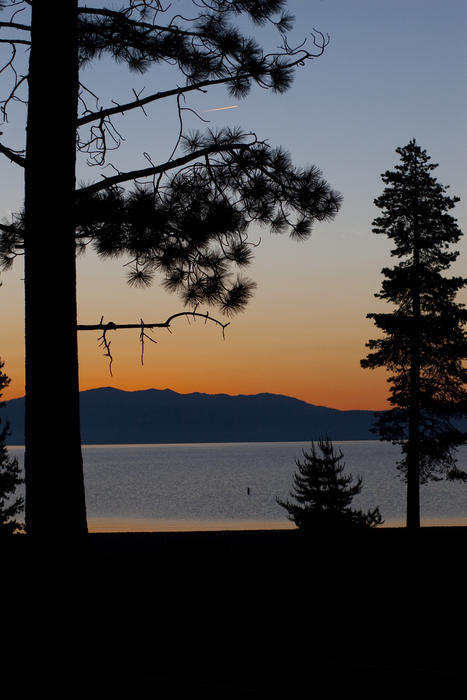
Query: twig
(142, 326)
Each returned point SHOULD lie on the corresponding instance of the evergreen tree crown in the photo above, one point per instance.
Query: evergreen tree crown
(427, 323)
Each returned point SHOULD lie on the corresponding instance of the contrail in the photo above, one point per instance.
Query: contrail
(219, 109)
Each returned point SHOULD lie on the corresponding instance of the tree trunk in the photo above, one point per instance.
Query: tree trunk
(413, 454)
(55, 503)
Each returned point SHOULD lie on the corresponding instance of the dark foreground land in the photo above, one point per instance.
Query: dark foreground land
(238, 614)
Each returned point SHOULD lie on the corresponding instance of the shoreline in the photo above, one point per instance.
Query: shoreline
(119, 525)
(255, 545)
(141, 525)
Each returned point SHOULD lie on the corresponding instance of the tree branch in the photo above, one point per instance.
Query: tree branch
(142, 326)
(110, 326)
(120, 109)
(164, 167)
(118, 15)
(15, 41)
(12, 155)
(16, 25)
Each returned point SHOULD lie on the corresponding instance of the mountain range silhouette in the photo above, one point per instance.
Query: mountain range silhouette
(113, 416)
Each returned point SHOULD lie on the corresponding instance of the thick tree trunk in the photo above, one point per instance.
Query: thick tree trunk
(55, 504)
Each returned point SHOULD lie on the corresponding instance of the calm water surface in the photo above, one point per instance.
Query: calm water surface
(235, 485)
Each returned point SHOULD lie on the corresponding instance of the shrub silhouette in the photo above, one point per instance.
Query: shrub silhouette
(323, 493)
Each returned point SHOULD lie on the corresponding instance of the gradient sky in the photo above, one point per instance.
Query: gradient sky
(392, 71)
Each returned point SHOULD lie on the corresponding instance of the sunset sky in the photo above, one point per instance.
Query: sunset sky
(393, 71)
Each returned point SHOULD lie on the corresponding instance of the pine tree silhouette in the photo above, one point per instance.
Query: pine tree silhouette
(424, 342)
(323, 493)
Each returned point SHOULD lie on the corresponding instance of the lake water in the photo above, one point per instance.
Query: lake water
(235, 485)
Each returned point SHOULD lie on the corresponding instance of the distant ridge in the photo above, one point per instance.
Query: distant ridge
(113, 416)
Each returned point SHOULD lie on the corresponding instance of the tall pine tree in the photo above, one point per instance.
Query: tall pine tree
(423, 343)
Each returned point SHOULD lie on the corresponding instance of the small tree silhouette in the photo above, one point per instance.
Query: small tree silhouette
(323, 494)
(10, 477)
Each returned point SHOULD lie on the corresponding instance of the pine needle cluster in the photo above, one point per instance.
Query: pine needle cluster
(186, 221)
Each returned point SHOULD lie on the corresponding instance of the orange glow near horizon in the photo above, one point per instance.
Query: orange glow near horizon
(319, 390)
(302, 335)
(196, 359)
(153, 525)
(116, 525)
(304, 339)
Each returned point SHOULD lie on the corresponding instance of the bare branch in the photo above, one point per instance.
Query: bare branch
(142, 326)
(110, 326)
(180, 134)
(15, 41)
(17, 82)
(142, 336)
(16, 25)
(103, 342)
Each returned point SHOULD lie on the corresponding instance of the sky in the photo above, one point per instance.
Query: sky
(393, 71)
